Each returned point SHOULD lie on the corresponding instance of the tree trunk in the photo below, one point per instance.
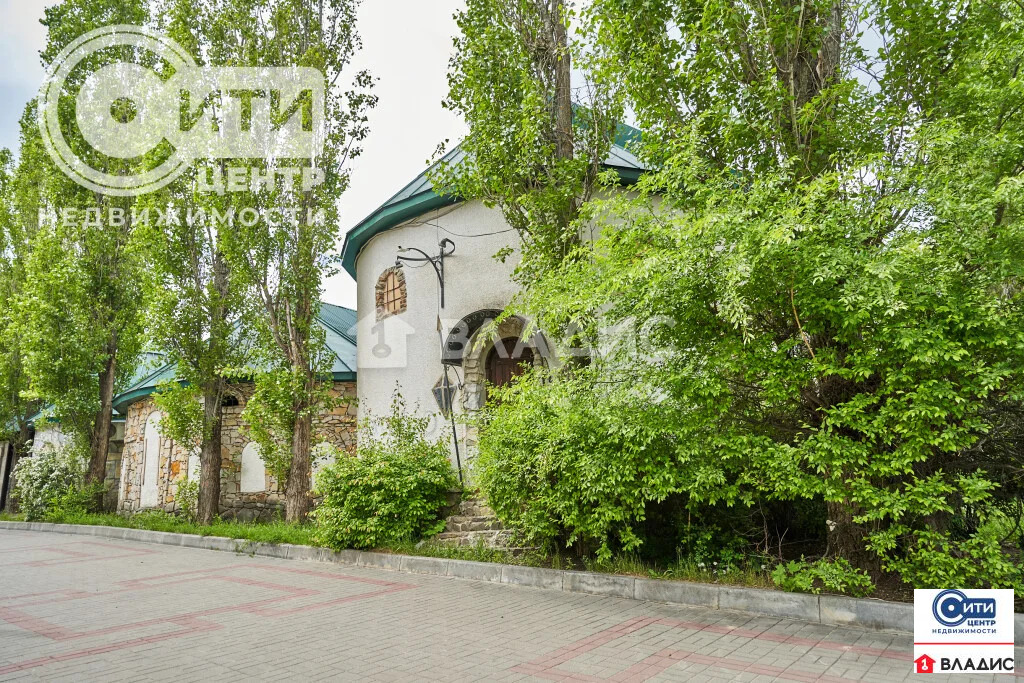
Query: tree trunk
(100, 442)
(848, 540)
(563, 84)
(208, 505)
(297, 500)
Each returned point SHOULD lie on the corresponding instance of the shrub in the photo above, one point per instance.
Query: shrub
(187, 497)
(51, 480)
(835, 576)
(74, 502)
(978, 561)
(392, 491)
(572, 461)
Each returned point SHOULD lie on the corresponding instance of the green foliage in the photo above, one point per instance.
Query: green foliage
(530, 150)
(79, 311)
(280, 266)
(49, 480)
(709, 546)
(182, 413)
(76, 499)
(393, 491)
(576, 461)
(815, 293)
(187, 497)
(833, 576)
(15, 242)
(935, 560)
(271, 412)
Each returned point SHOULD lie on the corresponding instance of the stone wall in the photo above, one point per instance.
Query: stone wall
(112, 479)
(336, 427)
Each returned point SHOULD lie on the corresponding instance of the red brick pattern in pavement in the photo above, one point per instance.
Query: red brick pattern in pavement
(14, 608)
(77, 609)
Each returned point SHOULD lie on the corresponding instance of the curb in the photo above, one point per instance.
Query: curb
(832, 610)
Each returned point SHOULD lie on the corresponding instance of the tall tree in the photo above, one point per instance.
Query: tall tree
(81, 311)
(195, 303)
(16, 231)
(285, 262)
(530, 149)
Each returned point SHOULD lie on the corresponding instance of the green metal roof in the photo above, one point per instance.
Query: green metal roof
(145, 386)
(339, 328)
(419, 196)
(339, 325)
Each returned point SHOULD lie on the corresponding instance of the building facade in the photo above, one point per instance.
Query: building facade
(425, 325)
(153, 465)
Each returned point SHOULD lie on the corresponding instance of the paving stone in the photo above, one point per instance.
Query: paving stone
(77, 608)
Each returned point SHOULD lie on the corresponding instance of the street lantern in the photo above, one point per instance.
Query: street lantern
(444, 393)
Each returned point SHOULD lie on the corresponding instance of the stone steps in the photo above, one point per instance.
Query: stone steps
(475, 508)
(491, 539)
(474, 523)
(465, 523)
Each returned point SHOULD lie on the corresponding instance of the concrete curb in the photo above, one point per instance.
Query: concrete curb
(832, 610)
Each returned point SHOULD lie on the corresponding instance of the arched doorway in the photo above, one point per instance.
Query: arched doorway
(482, 357)
(509, 358)
(150, 494)
(484, 363)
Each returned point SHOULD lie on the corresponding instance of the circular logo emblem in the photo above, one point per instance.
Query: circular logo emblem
(948, 608)
(118, 110)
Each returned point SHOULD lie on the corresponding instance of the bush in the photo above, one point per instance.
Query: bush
(393, 491)
(834, 576)
(52, 481)
(187, 497)
(571, 461)
(979, 561)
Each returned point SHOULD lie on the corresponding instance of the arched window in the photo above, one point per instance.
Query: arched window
(254, 472)
(509, 358)
(150, 495)
(390, 293)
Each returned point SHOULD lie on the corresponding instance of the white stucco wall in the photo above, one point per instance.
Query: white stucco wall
(253, 477)
(404, 350)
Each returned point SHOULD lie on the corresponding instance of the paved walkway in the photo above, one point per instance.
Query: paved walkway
(78, 608)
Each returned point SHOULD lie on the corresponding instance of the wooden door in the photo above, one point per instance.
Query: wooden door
(504, 362)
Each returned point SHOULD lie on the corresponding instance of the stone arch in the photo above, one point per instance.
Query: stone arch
(474, 368)
(462, 333)
(390, 294)
(253, 475)
(481, 343)
(149, 495)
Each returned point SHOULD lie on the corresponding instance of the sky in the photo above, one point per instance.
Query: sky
(406, 46)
